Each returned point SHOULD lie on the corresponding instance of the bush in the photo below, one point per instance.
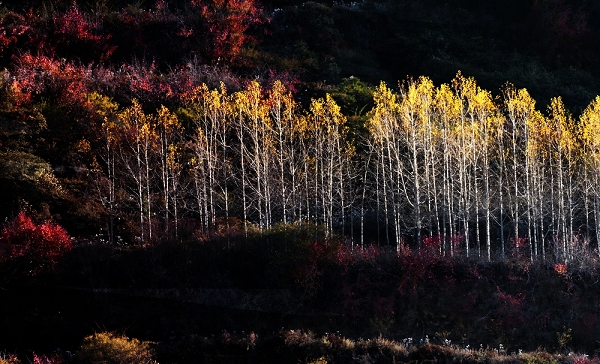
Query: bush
(8, 359)
(43, 359)
(106, 347)
(44, 242)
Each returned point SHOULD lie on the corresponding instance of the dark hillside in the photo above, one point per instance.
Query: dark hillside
(177, 294)
(300, 181)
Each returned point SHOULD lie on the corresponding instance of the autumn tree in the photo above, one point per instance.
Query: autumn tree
(106, 179)
(75, 34)
(209, 143)
(256, 151)
(590, 135)
(170, 137)
(282, 109)
(486, 123)
(387, 148)
(564, 147)
(447, 110)
(332, 155)
(136, 151)
(415, 115)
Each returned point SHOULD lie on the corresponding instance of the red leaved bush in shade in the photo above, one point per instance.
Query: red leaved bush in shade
(47, 241)
(21, 32)
(73, 25)
(78, 36)
(43, 359)
(229, 22)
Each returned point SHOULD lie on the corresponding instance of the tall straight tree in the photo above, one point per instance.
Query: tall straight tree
(565, 148)
(518, 106)
(415, 114)
(170, 137)
(284, 130)
(256, 152)
(536, 169)
(590, 135)
(137, 149)
(209, 143)
(447, 110)
(388, 147)
(468, 152)
(487, 122)
(331, 159)
(106, 112)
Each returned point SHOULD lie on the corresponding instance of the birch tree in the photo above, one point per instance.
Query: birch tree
(107, 110)
(384, 127)
(590, 134)
(170, 137)
(136, 152)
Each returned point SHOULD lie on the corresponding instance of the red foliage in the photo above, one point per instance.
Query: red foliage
(432, 243)
(79, 35)
(309, 271)
(12, 27)
(36, 77)
(46, 241)
(72, 25)
(510, 309)
(289, 80)
(416, 269)
(562, 33)
(228, 22)
(43, 359)
(145, 82)
(348, 255)
(18, 31)
(560, 269)
(39, 75)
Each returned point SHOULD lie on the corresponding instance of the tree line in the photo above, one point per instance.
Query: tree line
(449, 166)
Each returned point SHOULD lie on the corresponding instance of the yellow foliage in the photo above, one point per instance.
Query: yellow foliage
(104, 106)
(108, 348)
(167, 119)
(563, 125)
(382, 118)
(590, 126)
(327, 120)
(416, 105)
(9, 359)
(320, 360)
(447, 106)
(133, 116)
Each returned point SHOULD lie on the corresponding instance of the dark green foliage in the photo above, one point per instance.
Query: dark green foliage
(354, 96)
(26, 178)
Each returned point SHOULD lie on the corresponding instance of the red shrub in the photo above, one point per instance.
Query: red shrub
(79, 36)
(560, 269)
(73, 25)
(43, 359)
(228, 22)
(510, 309)
(20, 32)
(39, 75)
(47, 241)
